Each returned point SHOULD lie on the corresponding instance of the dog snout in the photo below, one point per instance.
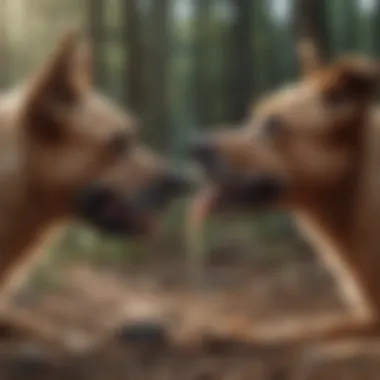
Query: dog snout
(207, 153)
(204, 151)
(91, 197)
(100, 206)
(175, 183)
(261, 189)
(169, 186)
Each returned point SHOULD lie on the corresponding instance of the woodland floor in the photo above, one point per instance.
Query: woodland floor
(146, 322)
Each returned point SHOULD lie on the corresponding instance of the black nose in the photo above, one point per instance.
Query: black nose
(91, 198)
(261, 189)
(164, 189)
(175, 183)
(204, 151)
(99, 206)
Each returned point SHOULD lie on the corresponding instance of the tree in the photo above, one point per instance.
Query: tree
(311, 24)
(346, 25)
(241, 60)
(376, 29)
(267, 61)
(4, 47)
(350, 34)
(157, 59)
(200, 62)
(95, 21)
(132, 40)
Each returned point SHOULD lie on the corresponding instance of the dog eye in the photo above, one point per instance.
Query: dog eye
(272, 127)
(120, 144)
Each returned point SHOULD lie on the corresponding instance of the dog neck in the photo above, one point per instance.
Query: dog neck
(345, 227)
(24, 217)
(23, 223)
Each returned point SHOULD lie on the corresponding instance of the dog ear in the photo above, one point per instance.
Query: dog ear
(308, 56)
(60, 84)
(351, 79)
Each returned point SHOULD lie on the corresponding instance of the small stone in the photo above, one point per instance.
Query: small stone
(143, 333)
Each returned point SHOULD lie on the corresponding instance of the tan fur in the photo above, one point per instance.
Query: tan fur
(55, 134)
(328, 152)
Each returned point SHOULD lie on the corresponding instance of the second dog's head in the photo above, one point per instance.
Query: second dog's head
(298, 145)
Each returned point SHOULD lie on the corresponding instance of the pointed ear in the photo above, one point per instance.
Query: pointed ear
(308, 57)
(351, 79)
(67, 73)
(61, 83)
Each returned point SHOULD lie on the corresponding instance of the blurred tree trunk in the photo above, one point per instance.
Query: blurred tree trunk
(241, 60)
(200, 56)
(284, 52)
(4, 47)
(157, 96)
(273, 56)
(132, 40)
(346, 25)
(96, 29)
(267, 60)
(311, 23)
(376, 29)
(350, 35)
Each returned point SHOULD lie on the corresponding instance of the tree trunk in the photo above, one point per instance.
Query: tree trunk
(158, 50)
(311, 23)
(241, 60)
(4, 47)
(95, 23)
(132, 40)
(376, 30)
(350, 35)
(200, 56)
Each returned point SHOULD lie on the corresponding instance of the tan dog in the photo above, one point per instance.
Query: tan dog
(65, 152)
(313, 148)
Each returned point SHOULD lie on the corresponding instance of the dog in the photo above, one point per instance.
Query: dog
(312, 149)
(67, 152)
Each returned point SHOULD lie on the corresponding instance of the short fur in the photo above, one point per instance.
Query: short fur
(325, 145)
(57, 136)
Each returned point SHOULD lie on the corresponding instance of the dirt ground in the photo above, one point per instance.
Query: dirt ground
(147, 322)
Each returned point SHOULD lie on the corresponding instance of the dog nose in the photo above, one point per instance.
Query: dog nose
(262, 188)
(175, 183)
(164, 189)
(90, 198)
(204, 151)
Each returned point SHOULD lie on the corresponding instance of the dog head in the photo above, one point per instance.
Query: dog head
(82, 153)
(298, 145)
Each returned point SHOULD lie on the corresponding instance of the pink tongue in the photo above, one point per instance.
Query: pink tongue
(201, 207)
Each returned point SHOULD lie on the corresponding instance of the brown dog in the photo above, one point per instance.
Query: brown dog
(66, 151)
(313, 148)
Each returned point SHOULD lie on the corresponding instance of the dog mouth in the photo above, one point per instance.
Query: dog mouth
(121, 218)
(134, 214)
(118, 215)
(242, 193)
(236, 195)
